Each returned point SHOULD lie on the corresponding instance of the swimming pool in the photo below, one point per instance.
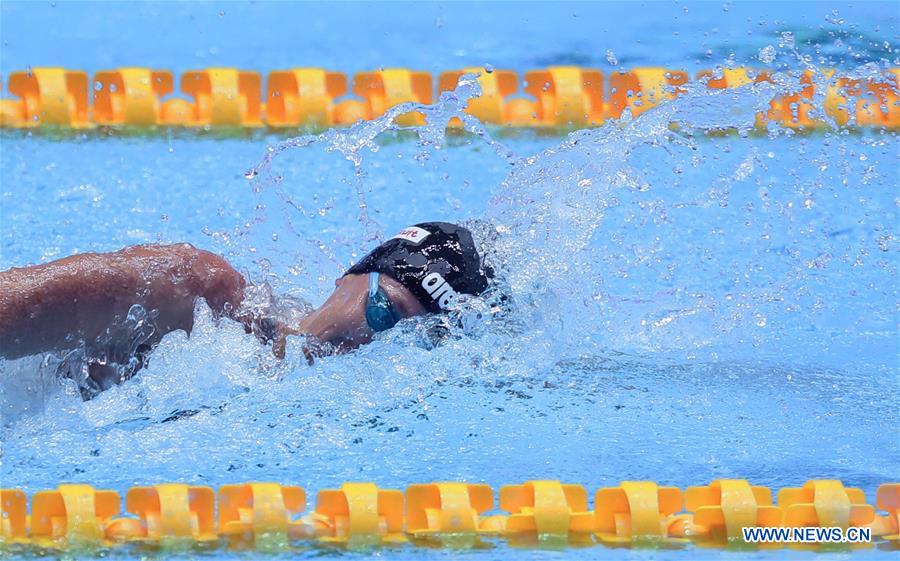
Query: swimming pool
(688, 308)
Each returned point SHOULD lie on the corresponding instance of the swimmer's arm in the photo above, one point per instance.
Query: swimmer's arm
(55, 305)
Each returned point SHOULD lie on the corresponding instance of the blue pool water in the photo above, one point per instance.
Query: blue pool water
(686, 308)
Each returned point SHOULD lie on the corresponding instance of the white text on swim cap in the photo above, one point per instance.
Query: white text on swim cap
(413, 234)
(439, 289)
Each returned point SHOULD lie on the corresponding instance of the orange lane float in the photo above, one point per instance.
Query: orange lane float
(495, 105)
(439, 509)
(222, 97)
(641, 89)
(546, 511)
(359, 513)
(130, 96)
(887, 498)
(724, 507)
(53, 97)
(825, 503)
(795, 111)
(72, 515)
(866, 103)
(166, 513)
(731, 78)
(304, 97)
(567, 96)
(262, 513)
(13, 516)
(383, 89)
(637, 511)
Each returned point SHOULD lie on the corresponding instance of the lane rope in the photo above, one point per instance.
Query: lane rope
(264, 515)
(555, 97)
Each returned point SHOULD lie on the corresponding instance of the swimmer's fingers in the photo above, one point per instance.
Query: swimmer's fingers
(268, 329)
(279, 345)
(313, 348)
(310, 358)
(279, 336)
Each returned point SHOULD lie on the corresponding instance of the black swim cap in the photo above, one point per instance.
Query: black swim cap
(436, 261)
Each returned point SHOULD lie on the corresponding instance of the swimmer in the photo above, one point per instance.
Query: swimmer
(72, 301)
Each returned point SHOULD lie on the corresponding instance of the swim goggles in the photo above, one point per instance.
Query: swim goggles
(380, 311)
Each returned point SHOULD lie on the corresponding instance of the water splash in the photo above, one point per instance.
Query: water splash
(352, 141)
(280, 207)
(544, 225)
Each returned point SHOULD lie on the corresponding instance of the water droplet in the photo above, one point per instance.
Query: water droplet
(98, 86)
(488, 68)
(835, 18)
(767, 54)
(222, 14)
(787, 39)
(611, 57)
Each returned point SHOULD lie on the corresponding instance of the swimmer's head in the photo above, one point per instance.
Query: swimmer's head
(435, 261)
(423, 269)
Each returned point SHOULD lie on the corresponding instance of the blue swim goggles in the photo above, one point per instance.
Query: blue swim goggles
(380, 311)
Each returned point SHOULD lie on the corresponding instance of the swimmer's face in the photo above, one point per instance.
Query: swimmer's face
(341, 321)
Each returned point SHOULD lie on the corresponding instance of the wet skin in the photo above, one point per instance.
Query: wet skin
(341, 321)
(56, 305)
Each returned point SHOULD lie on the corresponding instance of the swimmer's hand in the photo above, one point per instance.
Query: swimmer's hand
(276, 331)
(279, 334)
(59, 304)
(268, 330)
